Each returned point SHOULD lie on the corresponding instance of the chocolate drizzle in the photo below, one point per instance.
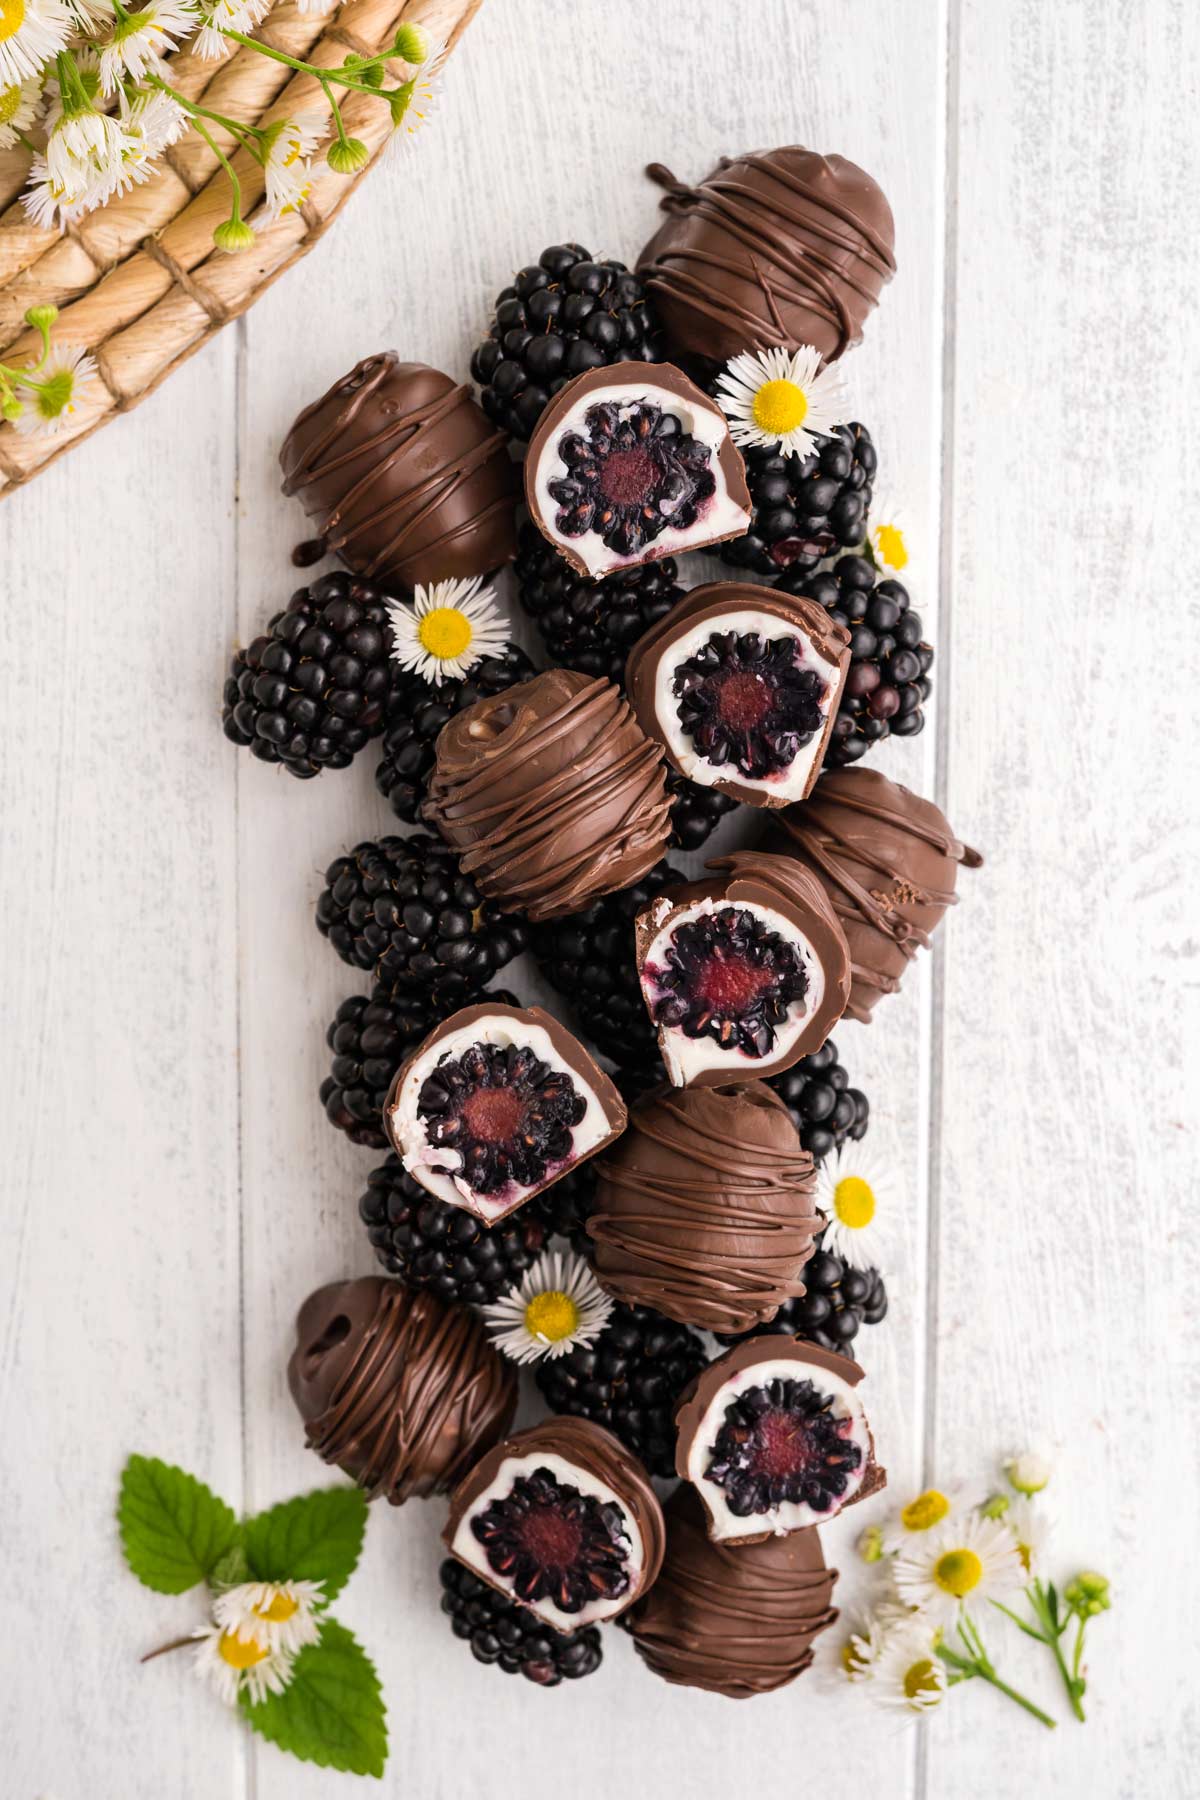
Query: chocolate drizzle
(704, 1208)
(735, 1621)
(887, 860)
(550, 793)
(399, 1390)
(403, 475)
(776, 247)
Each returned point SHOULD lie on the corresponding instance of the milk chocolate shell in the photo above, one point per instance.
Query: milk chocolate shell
(774, 1438)
(743, 973)
(403, 475)
(563, 1520)
(777, 247)
(632, 463)
(551, 794)
(740, 685)
(888, 861)
(704, 1208)
(496, 1104)
(398, 1389)
(738, 1621)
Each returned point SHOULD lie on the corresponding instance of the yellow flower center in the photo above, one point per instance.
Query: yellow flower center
(443, 633)
(780, 407)
(927, 1510)
(852, 1658)
(854, 1202)
(12, 17)
(278, 1609)
(1025, 1552)
(10, 100)
(240, 1653)
(920, 1679)
(957, 1572)
(890, 546)
(551, 1316)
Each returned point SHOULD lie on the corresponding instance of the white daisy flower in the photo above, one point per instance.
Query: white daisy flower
(851, 1188)
(969, 1560)
(32, 32)
(450, 626)
(558, 1305)
(232, 1664)
(1029, 1473)
(52, 396)
(277, 1615)
(152, 120)
(781, 399)
(887, 537)
(316, 6)
(417, 100)
(19, 108)
(139, 40)
(289, 144)
(219, 16)
(49, 202)
(1031, 1529)
(908, 1675)
(851, 1652)
(928, 1511)
(85, 146)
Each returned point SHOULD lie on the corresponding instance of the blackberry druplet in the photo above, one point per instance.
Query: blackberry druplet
(782, 1443)
(415, 714)
(508, 1637)
(806, 508)
(444, 1248)
(590, 625)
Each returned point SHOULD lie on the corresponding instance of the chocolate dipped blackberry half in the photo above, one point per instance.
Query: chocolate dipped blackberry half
(741, 688)
(495, 1105)
(734, 1620)
(888, 861)
(773, 248)
(403, 476)
(742, 973)
(704, 1208)
(551, 794)
(562, 1520)
(401, 1392)
(631, 464)
(774, 1438)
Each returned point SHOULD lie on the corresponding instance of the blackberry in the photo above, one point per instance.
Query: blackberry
(806, 507)
(416, 712)
(695, 811)
(562, 315)
(838, 1301)
(729, 976)
(554, 1543)
(501, 1632)
(312, 689)
(629, 1379)
(781, 1443)
(568, 1205)
(504, 1111)
(445, 1248)
(403, 909)
(826, 1109)
(889, 665)
(590, 625)
(589, 958)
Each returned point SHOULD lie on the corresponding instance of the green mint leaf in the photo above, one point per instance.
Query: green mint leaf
(332, 1710)
(174, 1530)
(231, 1570)
(318, 1537)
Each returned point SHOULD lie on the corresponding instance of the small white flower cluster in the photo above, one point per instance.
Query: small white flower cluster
(256, 1633)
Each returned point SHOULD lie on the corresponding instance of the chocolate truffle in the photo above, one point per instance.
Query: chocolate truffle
(398, 1389)
(736, 1621)
(743, 973)
(704, 1209)
(633, 463)
(888, 861)
(777, 247)
(551, 794)
(403, 475)
(774, 1438)
(496, 1104)
(563, 1520)
(740, 685)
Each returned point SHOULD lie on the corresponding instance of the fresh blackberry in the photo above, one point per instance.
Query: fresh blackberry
(695, 811)
(837, 1302)
(589, 958)
(312, 689)
(445, 1248)
(562, 315)
(568, 1205)
(403, 909)
(827, 1110)
(629, 1379)
(889, 665)
(416, 712)
(805, 507)
(370, 1036)
(501, 1632)
(590, 625)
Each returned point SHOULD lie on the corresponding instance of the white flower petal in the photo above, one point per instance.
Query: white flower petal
(509, 1322)
(448, 649)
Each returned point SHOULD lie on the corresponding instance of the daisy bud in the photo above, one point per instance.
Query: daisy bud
(233, 235)
(412, 44)
(995, 1506)
(11, 408)
(346, 156)
(1028, 1473)
(41, 317)
(1088, 1594)
(373, 75)
(870, 1544)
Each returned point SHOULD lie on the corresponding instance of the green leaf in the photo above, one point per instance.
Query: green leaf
(174, 1530)
(231, 1570)
(317, 1537)
(332, 1710)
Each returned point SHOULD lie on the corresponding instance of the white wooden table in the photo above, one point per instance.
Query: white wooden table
(172, 1190)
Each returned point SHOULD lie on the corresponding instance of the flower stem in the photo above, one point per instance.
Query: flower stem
(981, 1664)
(225, 163)
(247, 135)
(304, 68)
(163, 1649)
(989, 1675)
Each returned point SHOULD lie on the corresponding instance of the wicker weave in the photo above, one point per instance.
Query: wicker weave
(139, 282)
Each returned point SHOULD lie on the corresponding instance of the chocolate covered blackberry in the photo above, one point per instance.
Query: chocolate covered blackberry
(565, 314)
(415, 714)
(370, 1036)
(629, 1380)
(311, 690)
(888, 682)
(403, 909)
(805, 507)
(590, 625)
(444, 1248)
(828, 1112)
(509, 1637)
